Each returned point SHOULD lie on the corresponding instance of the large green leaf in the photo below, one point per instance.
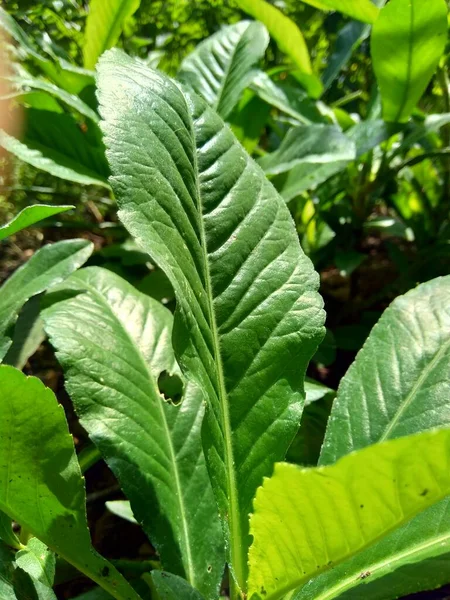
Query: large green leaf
(49, 266)
(40, 481)
(308, 145)
(104, 25)
(322, 516)
(361, 10)
(398, 385)
(222, 66)
(248, 316)
(29, 216)
(289, 39)
(153, 447)
(408, 39)
(400, 381)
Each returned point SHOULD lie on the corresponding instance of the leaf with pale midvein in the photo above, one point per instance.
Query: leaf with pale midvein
(407, 41)
(409, 560)
(289, 39)
(38, 561)
(48, 266)
(222, 66)
(29, 216)
(398, 385)
(105, 22)
(248, 315)
(400, 381)
(40, 481)
(113, 343)
(324, 515)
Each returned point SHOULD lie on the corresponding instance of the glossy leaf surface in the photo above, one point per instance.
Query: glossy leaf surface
(104, 25)
(289, 39)
(322, 516)
(407, 41)
(222, 66)
(248, 317)
(29, 216)
(48, 266)
(153, 447)
(40, 481)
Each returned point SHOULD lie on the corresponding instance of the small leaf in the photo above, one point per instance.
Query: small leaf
(24, 81)
(289, 38)
(51, 161)
(171, 587)
(308, 145)
(408, 39)
(361, 10)
(38, 561)
(29, 216)
(122, 509)
(288, 98)
(222, 66)
(324, 515)
(40, 481)
(6, 533)
(105, 21)
(28, 334)
(48, 266)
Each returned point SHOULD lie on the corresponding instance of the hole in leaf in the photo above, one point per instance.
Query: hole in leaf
(171, 387)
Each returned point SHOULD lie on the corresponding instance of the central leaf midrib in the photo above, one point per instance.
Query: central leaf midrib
(238, 562)
(408, 64)
(412, 393)
(179, 488)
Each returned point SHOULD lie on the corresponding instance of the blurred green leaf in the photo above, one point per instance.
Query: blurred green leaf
(362, 10)
(104, 25)
(289, 38)
(31, 215)
(48, 266)
(408, 39)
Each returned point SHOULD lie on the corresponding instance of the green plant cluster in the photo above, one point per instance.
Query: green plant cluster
(239, 170)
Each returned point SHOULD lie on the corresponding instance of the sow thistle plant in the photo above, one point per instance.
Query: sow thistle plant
(205, 478)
